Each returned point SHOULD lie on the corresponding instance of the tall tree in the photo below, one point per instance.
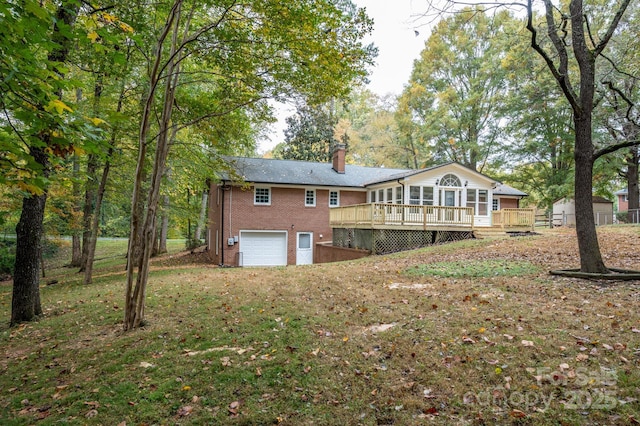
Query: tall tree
(34, 119)
(572, 36)
(309, 135)
(457, 86)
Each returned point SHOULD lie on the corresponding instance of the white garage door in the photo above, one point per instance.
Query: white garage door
(263, 248)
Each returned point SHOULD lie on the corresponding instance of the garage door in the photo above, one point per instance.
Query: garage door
(263, 248)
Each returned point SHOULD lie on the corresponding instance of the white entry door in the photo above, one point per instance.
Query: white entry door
(304, 248)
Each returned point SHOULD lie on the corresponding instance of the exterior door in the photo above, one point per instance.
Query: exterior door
(449, 198)
(304, 248)
(449, 201)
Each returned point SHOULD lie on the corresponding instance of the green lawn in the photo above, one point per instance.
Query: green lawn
(376, 341)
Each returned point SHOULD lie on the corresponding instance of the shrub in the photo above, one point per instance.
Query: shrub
(193, 243)
(7, 257)
(623, 217)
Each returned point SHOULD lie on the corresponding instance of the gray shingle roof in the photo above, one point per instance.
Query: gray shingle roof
(291, 172)
(504, 189)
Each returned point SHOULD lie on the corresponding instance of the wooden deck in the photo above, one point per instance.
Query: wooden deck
(412, 217)
(402, 216)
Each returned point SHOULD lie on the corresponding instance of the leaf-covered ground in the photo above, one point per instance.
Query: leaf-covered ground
(360, 342)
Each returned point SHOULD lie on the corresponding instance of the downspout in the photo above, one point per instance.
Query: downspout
(402, 185)
(221, 239)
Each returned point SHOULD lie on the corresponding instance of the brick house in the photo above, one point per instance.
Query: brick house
(281, 210)
(633, 216)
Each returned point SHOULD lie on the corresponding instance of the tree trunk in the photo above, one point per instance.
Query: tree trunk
(203, 215)
(143, 227)
(93, 238)
(88, 209)
(164, 226)
(25, 303)
(76, 249)
(590, 257)
(633, 192)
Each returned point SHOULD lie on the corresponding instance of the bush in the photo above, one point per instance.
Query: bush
(193, 243)
(7, 257)
(623, 217)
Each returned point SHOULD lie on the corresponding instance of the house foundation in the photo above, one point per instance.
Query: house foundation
(383, 241)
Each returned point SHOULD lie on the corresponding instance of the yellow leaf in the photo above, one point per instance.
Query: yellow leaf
(32, 189)
(58, 106)
(126, 27)
(186, 388)
(97, 121)
(345, 339)
(93, 36)
(109, 18)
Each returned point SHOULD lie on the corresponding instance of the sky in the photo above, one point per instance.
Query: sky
(398, 46)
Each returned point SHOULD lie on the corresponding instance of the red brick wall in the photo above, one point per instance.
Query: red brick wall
(623, 205)
(328, 253)
(508, 203)
(287, 212)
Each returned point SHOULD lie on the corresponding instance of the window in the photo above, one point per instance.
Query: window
(450, 180)
(479, 200)
(389, 195)
(427, 195)
(483, 200)
(421, 195)
(372, 197)
(398, 195)
(496, 204)
(262, 196)
(310, 198)
(381, 195)
(334, 198)
(414, 195)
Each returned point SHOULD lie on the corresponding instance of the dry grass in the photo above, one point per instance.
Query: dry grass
(359, 342)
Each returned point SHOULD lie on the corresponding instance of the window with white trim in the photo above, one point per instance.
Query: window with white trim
(334, 198)
(483, 202)
(262, 196)
(421, 195)
(479, 200)
(372, 196)
(389, 198)
(398, 195)
(381, 195)
(310, 198)
(450, 180)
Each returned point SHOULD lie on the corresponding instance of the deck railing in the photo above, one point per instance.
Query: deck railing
(382, 214)
(514, 218)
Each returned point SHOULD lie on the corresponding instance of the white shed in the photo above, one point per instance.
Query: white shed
(564, 211)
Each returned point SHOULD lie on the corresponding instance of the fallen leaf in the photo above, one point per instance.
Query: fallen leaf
(527, 343)
(184, 411)
(144, 364)
(91, 413)
(517, 414)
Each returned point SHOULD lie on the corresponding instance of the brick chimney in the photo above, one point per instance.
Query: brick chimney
(339, 153)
